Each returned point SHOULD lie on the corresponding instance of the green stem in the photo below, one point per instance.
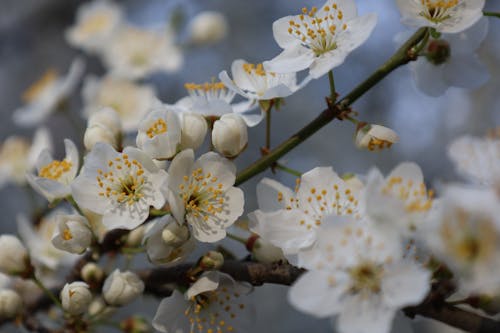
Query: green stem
(268, 127)
(421, 46)
(74, 204)
(493, 14)
(48, 292)
(158, 212)
(402, 56)
(237, 238)
(333, 92)
(287, 169)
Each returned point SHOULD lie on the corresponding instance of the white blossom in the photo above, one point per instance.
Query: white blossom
(98, 133)
(477, 158)
(121, 288)
(130, 100)
(14, 258)
(135, 53)
(167, 242)
(96, 24)
(214, 303)
(54, 177)
(253, 82)
(291, 220)
(375, 137)
(11, 304)
(230, 135)
(202, 194)
(319, 39)
(43, 97)
(108, 118)
(73, 234)
(18, 156)
(119, 186)
(208, 27)
(159, 132)
(76, 297)
(448, 16)
(357, 274)
(399, 202)
(452, 60)
(465, 234)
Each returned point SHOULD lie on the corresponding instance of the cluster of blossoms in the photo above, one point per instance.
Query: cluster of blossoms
(139, 177)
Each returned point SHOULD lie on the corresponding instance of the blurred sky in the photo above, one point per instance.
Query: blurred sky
(31, 40)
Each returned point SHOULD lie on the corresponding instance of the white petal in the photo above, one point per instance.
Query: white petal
(405, 284)
(429, 78)
(365, 315)
(170, 317)
(291, 60)
(219, 167)
(181, 166)
(465, 71)
(469, 40)
(281, 35)
(268, 191)
(207, 282)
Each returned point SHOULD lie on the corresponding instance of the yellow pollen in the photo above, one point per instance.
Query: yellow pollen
(55, 169)
(158, 127)
(67, 234)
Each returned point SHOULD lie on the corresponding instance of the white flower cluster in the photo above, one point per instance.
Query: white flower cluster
(356, 238)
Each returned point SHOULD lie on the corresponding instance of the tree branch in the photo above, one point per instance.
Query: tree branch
(402, 56)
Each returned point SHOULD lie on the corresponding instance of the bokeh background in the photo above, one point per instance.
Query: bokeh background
(32, 40)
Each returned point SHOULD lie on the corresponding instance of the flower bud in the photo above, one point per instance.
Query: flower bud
(438, 51)
(230, 135)
(122, 288)
(14, 258)
(76, 297)
(73, 234)
(375, 137)
(108, 118)
(263, 251)
(212, 260)
(208, 27)
(92, 273)
(98, 133)
(134, 237)
(174, 234)
(99, 309)
(11, 304)
(193, 132)
(135, 324)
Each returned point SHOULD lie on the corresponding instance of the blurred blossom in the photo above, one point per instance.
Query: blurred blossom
(134, 53)
(130, 100)
(208, 27)
(44, 96)
(96, 24)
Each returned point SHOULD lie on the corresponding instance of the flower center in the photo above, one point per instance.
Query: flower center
(124, 180)
(438, 52)
(67, 235)
(202, 195)
(415, 196)
(366, 277)
(437, 10)
(256, 69)
(210, 91)
(317, 30)
(34, 91)
(55, 169)
(158, 127)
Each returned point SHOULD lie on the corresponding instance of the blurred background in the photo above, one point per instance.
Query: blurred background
(32, 40)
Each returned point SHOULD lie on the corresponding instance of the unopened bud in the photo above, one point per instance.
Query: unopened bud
(99, 309)
(14, 258)
(134, 237)
(438, 51)
(11, 304)
(174, 234)
(92, 273)
(121, 288)
(208, 27)
(98, 133)
(135, 324)
(212, 260)
(73, 234)
(230, 135)
(108, 118)
(76, 297)
(375, 137)
(263, 251)
(193, 132)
